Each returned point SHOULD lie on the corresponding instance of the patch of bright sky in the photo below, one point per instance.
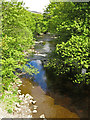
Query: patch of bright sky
(35, 5)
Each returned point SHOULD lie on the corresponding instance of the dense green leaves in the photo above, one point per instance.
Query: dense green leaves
(40, 23)
(74, 54)
(69, 21)
(18, 26)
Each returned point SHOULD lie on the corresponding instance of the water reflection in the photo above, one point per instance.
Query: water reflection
(57, 89)
(40, 78)
(46, 47)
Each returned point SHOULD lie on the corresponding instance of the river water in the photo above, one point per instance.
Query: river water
(50, 101)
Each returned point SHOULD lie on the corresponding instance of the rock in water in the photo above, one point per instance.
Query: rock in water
(35, 107)
(42, 116)
(19, 91)
(31, 101)
(27, 95)
(21, 96)
(34, 102)
(31, 98)
(34, 111)
(29, 116)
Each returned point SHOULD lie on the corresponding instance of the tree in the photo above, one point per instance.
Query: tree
(70, 22)
(17, 37)
(40, 23)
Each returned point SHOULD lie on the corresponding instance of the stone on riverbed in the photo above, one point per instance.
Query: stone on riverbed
(35, 107)
(21, 96)
(18, 105)
(19, 91)
(26, 102)
(29, 96)
(34, 111)
(33, 102)
(42, 116)
(29, 116)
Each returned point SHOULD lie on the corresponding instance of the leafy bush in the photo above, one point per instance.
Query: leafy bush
(69, 21)
(40, 23)
(17, 37)
(73, 57)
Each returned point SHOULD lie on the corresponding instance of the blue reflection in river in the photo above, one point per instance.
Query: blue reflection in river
(40, 78)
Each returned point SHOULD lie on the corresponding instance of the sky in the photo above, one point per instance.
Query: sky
(35, 5)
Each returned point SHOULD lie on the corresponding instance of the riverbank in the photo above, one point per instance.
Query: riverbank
(48, 104)
(13, 104)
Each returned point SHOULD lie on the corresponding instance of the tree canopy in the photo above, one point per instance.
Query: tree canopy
(70, 23)
(18, 27)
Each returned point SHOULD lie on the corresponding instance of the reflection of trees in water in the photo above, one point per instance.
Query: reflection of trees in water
(76, 97)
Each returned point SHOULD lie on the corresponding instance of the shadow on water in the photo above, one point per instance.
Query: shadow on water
(55, 98)
(68, 95)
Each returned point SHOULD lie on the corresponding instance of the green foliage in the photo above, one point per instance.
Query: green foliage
(17, 21)
(73, 57)
(10, 111)
(18, 27)
(40, 23)
(9, 98)
(69, 21)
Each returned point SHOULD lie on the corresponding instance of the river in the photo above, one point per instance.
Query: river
(50, 101)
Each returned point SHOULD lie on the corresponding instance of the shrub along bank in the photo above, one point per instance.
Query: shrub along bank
(69, 21)
(18, 28)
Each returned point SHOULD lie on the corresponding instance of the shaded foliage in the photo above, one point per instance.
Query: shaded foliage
(70, 22)
(40, 23)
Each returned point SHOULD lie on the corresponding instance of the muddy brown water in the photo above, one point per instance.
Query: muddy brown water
(52, 104)
(46, 104)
